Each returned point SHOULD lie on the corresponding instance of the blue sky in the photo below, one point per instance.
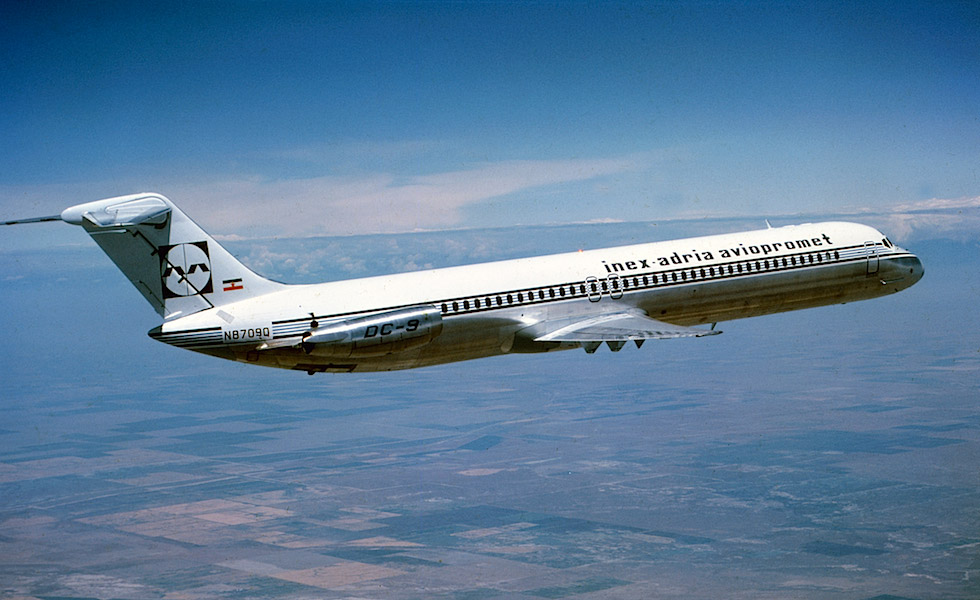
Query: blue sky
(301, 118)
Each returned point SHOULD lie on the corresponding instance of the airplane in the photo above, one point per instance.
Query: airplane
(213, 304)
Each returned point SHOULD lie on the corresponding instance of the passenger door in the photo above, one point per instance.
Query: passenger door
(871, 251)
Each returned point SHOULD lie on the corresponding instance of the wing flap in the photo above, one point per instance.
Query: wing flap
(616, 327)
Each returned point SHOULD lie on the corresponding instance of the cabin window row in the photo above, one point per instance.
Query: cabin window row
(615, 283)
(514, 298)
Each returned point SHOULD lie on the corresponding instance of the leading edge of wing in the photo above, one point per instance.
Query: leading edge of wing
(616, 327)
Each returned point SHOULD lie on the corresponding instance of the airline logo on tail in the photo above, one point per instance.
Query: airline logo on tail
(186, 270)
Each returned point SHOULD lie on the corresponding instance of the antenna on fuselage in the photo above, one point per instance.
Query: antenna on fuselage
(32, 220)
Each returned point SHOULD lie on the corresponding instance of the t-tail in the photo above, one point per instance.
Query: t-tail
(177, 267)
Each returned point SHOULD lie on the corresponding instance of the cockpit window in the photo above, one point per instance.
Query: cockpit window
(887, 242)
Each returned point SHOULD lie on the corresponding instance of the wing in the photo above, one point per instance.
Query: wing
(615, 329)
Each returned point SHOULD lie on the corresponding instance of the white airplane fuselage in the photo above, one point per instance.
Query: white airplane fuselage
(211, 303)
(509, 306)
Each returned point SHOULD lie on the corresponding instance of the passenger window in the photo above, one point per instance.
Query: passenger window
(445, 308)
(455, 306)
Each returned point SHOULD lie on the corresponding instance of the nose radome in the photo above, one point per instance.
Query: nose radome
(916, 270)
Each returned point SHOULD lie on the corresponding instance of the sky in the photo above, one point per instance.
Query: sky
(283, 119)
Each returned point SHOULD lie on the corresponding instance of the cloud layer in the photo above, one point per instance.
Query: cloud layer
(378, 203)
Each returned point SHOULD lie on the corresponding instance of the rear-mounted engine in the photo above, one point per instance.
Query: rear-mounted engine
(375, 335)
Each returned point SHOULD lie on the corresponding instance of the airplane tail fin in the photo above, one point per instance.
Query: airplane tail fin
(177, 267)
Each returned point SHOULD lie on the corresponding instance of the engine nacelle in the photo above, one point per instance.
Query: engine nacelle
(375, 335)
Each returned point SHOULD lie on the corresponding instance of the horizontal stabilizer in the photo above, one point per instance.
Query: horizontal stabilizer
(126, 211)
(617, 328)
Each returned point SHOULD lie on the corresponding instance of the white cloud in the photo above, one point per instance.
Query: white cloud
(912, 226)
(249, 207)
(944, 204)
(359, 152)
(379, 203)
(952, 218)
(256, 207)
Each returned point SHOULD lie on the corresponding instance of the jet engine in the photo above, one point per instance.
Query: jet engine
(374, 335)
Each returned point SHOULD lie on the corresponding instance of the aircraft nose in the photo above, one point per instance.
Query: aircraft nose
(916, 270)
(913, 269)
